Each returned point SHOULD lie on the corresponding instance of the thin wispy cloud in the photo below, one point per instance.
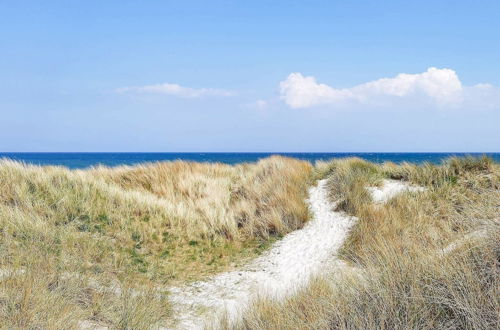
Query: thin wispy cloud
(258, 105)
(176, 90)
(439, 86)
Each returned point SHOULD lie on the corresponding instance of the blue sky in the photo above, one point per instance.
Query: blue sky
(249, 76)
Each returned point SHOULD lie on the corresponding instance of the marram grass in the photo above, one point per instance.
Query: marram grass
(100, 245)
(422, 261)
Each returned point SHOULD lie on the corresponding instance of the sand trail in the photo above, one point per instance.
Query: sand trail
(391, 188)
(279, 272)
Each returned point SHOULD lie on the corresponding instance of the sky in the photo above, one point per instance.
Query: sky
(248, 76)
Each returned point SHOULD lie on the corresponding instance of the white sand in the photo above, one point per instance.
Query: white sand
(391, 188)
(279, 272)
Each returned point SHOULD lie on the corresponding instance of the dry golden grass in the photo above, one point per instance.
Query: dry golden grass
(422, 261)
(97, 244)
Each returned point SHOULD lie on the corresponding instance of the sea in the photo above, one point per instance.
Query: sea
(80, 160)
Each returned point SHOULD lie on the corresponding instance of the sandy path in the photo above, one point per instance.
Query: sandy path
(391, 188)
(288, 265)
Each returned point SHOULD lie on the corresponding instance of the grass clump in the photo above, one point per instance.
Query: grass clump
(96, 245)
(421, 261)
(347, 183)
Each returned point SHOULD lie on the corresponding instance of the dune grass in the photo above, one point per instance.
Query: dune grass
(98, 245)
(425, 260)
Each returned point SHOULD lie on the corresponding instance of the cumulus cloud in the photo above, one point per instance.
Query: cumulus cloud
(441, 86)
(176, 90)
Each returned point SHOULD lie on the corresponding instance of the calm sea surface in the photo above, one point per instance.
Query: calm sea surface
(82, 160)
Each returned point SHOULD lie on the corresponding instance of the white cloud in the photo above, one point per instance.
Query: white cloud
(441, 86)
(482, 96)
(176, 90)
(259, 105)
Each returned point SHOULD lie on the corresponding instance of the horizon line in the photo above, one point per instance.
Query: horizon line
(248, 152)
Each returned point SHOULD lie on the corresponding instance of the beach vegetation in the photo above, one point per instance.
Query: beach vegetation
(102, 245)
(426, 260)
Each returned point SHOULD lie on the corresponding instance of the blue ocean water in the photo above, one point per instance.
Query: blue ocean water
(87, 159)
